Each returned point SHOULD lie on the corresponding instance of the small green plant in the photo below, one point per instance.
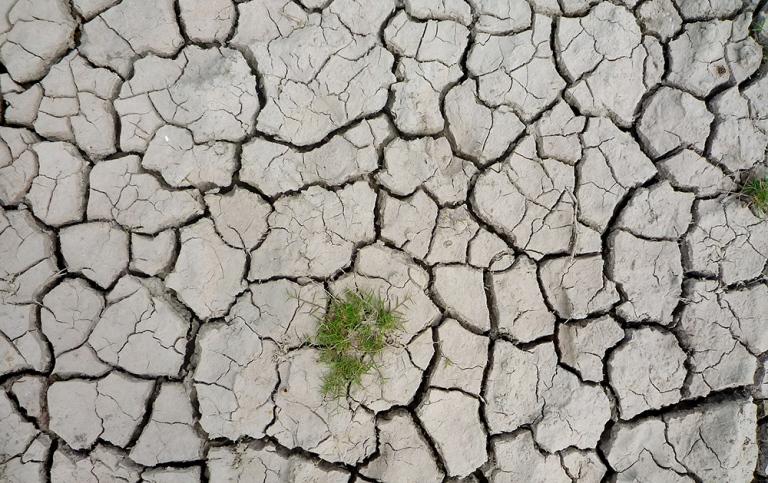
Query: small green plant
(756, 192)
(757, 30)
(355, 328)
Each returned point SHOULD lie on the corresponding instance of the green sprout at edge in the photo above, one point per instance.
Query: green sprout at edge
(757, 29)
(756, 191)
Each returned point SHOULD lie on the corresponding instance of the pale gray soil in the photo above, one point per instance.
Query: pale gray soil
(550, 185)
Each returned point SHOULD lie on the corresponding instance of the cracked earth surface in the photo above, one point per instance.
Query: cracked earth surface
(550, 184)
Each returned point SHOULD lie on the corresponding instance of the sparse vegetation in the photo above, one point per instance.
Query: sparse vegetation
(355, 328)
(756, 192)
(757, 30)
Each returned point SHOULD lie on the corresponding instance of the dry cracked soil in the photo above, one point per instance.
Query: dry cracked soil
(552, 185)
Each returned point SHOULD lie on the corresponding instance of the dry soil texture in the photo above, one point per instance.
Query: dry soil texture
(550, 186)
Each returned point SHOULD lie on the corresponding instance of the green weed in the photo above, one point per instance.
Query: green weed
(757, 29)
(355, 328)
(756, 192)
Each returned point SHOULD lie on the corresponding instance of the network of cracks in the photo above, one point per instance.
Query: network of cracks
(550, 188)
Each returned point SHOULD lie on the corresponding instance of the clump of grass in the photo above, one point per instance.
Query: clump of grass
(356, 326)
(756, 191)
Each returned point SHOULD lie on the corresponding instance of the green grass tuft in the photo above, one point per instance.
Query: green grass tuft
(758, 28)
(356, 326)
(756, 191)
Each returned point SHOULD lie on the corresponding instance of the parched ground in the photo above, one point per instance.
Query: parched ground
(551, 186)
